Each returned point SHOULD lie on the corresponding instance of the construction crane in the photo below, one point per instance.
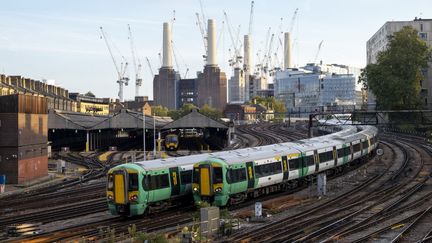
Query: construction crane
(203, 34)
(318, 51)
(251, 19)
(293, 21)
(122, 78)
(137, 64)
(150, 67)
(235, 61)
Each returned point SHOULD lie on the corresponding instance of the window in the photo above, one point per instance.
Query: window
(154, 182)
(308, 160)
(342, 152)
(236, 175)
(217, 175)
(294, 164)
(326, 156)
(133, 182)
(423, 36)
(365, 144)
(356, 147)
(268, 169)
(186, 177)
(195, 175)
(110, 185)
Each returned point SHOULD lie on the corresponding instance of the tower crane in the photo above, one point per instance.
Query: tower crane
(293, 20)
(137, 65)
(150, 67)
(318, 51)
(251, 19)
(203, 34)
(122, 78)
(235, 61)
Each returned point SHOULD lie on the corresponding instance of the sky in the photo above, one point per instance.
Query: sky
(61, 40)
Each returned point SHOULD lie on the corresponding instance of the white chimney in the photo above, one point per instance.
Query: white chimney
(167, 46)
(248, 62)
(211, 43)
(287, 51)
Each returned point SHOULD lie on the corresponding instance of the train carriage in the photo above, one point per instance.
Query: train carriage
(230, 176)
(275, 167)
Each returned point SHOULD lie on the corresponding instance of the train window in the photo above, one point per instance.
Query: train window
(133, 182)
(236, 175)
(341, 152)
(145, 183)
(356, 147)
(195, 176)
(268, 169)
(294, 164)
(158, 182)
(326, 156)
(347, 151)
(186, 177)
(308, 160)
(365, 144)
(110, 185)
(217, 175)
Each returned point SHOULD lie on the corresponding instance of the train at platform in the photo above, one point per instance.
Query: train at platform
(171, 142)
(229, 177)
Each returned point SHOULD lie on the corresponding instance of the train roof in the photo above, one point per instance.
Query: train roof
(255, 153)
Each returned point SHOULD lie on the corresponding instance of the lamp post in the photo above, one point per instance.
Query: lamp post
(144, 132)
(154, 138)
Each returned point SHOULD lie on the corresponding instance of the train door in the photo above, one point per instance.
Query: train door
(250, 173)
(120, 190)
(175, 181)
(205, 183)
(316, 160)
(285, 168)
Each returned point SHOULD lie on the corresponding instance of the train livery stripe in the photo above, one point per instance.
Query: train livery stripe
(205, 181)
(119, 189)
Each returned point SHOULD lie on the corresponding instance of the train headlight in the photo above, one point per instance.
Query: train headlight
(218, 189)
(133, 198)
(110, 197)
(195, 189)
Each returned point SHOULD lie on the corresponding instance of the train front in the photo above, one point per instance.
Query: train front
(125, 193)
(208, 182)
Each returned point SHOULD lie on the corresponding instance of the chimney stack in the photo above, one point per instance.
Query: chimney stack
(287, 51)
(167, 46)
(211, 43)
(248, 62)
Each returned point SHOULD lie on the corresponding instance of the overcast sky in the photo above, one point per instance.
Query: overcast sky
(60, 40)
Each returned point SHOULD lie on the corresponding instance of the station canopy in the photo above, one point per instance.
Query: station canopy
(194, 120)
(124, 119)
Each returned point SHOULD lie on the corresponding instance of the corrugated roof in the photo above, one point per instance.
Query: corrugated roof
(124, 119)
(195, 120)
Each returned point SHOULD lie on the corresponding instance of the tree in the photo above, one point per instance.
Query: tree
(159, 110)
(90, 94)
(184, 110)
(396, 78)
(272, 103)
(213, 113)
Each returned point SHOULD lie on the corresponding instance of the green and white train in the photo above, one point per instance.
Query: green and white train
(234, 176)
(231, 176)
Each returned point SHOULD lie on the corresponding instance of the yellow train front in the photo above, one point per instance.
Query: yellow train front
(171, 142)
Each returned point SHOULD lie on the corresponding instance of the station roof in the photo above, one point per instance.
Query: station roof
(123, 119)
(195, 120)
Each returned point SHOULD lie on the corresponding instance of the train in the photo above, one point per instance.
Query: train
(234, 176)
(171, 142)
(231, 176)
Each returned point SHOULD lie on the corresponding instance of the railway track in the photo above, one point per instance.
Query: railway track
(323, 222)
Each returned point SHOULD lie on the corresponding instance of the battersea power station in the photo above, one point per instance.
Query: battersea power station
(210, 87)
